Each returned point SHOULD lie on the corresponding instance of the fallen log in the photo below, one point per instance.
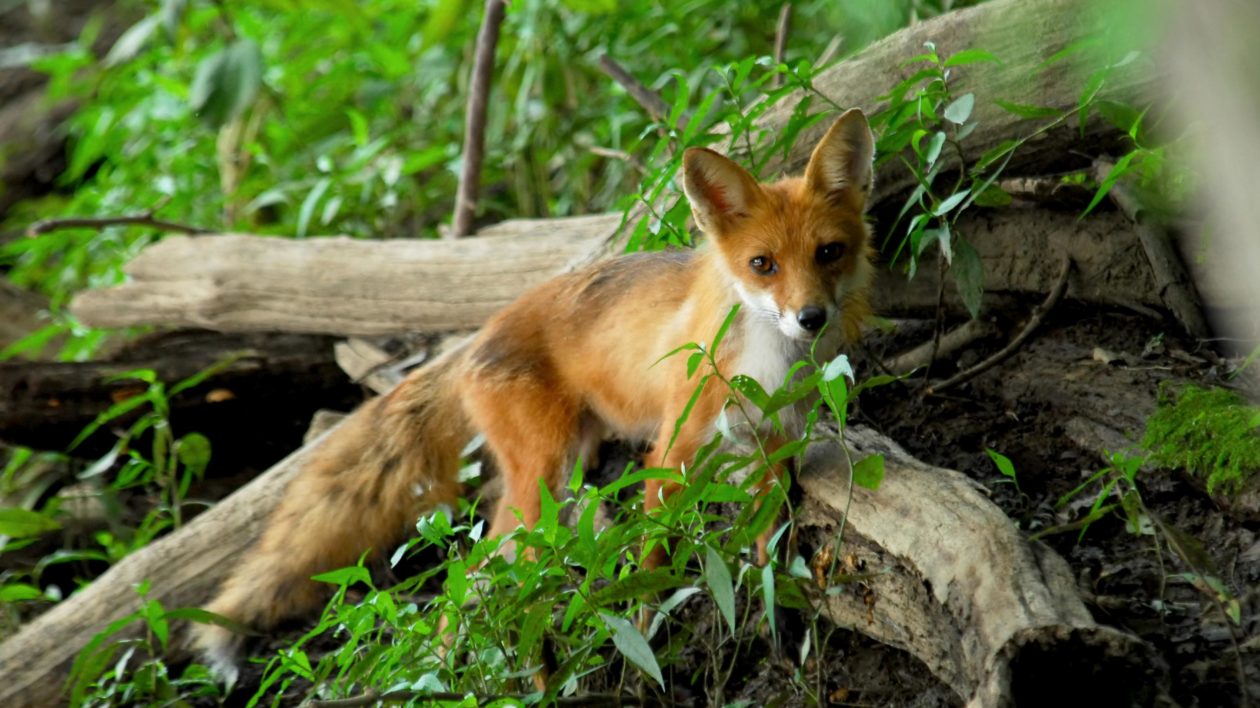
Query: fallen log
(949, 578)
(357, 287)
(967, 594)
(342, 285)
(1025, 36)
(260, 400)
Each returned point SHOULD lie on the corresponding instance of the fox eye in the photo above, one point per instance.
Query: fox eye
(763, 265)
(829, 253)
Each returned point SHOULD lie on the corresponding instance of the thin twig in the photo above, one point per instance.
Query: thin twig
(939, 327)
(475, 119)
(372, 697)
(780, 40)
(148, 218)
(950, 342)
(620, 155)
(650, 100)
(1034, 321)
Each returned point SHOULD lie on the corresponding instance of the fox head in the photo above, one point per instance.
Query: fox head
(797, 250)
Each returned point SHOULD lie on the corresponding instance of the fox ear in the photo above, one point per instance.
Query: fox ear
(842, 162)
(719, 190)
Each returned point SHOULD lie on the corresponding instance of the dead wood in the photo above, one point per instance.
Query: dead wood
(268, 387)
(342, 285)
(355, 287)
(946, 576)
(1023, 34)
(1173, 282)
(952, 341)
(1034, 321)
(475, 119)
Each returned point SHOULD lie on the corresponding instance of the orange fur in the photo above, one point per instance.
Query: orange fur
(573, 359)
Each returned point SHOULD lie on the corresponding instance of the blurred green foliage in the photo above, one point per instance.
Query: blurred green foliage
(301, 118)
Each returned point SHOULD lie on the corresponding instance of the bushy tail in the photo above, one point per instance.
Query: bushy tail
(393, 458)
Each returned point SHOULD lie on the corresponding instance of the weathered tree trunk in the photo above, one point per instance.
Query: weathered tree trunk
(949, 578)
(344, 286)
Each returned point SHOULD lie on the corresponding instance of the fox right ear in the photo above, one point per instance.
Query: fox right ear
(718, 189)
(841, 165)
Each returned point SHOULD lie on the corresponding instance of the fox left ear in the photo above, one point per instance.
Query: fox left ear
(842, 162)
(719, 190)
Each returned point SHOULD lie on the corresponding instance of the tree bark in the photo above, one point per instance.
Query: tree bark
(351, 287)
(948, 577)
(341, 285)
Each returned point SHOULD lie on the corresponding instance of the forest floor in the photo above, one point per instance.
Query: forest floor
(1085, 364)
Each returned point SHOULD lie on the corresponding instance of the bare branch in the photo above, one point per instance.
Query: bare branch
(1034, 321)
(147, 218)
(644, 96)
(475, 120)
(780, 40)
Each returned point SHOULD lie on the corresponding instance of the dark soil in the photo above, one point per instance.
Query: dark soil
(1033, 408)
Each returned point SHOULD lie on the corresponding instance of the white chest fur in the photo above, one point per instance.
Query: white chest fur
(766, 356)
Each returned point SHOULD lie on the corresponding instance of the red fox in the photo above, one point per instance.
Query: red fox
(574, 358)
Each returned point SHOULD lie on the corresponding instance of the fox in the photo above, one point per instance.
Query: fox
(576, 359)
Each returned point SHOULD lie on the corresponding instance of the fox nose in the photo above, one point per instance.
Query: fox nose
(811, 318)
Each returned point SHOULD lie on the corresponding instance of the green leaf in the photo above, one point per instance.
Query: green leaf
(722, 330)
(838, 367)
(132, 41)
(155, 616)
(934, 148)
(968, 275)
(1121, 167)
(950, 202)
(960, 110)
(227, 82)
(941, 236)
(194, 452)
(21, 523)
(18, 592)
(971, 56)
(718, 577)
(636, 585)
(868, 473)
(171, 13)
(633, 646)
(345, 576)
(1004, 464)
(993, 196)
(307, 209)
(767, 592)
